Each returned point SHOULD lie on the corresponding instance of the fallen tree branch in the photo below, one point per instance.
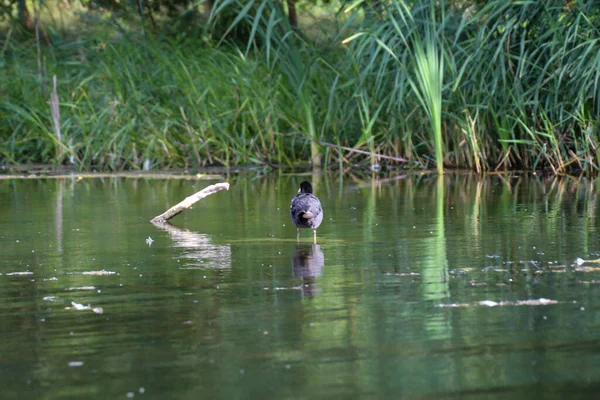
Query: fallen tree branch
(189, 201)
(350, 149)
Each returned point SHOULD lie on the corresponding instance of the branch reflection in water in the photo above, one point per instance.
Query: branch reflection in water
(199, 247)
(307, 263)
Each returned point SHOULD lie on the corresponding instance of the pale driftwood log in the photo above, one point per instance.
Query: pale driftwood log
(189, 201)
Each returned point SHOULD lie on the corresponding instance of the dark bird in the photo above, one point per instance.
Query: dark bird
(306, 211)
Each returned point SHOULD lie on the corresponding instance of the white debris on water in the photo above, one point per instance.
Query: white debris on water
(19, 273)
(539, 302)
(402, 274)
(82, 288)
(149, 241)
(96, 273)
(81, 307)
(75, 363)
(489, 303)
(492, 256)
(277, 288)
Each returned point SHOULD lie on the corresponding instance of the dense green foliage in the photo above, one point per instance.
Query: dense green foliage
(479, 85)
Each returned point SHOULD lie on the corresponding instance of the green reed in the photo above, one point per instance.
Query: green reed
(166, 104)
(500, 85)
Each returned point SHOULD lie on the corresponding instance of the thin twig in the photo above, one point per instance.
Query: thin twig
(189, 131)
(350, 149)
(39, 50)
(55, 110)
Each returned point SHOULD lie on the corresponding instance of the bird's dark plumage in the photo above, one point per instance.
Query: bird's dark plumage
(306, 210)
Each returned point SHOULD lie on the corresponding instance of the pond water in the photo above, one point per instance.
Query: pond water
(419, 287)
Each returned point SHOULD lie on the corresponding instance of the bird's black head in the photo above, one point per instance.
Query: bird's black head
(305, 187)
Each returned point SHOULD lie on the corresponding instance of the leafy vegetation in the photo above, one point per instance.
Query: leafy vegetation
(455, 84)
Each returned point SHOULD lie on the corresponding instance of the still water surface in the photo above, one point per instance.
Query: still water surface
(418, 288)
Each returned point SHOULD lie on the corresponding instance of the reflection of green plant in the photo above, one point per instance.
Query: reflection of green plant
(436, 269)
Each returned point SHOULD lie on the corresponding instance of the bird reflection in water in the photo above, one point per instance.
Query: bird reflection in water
(307, 262)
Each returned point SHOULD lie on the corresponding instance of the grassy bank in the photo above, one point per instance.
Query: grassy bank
(505, 85)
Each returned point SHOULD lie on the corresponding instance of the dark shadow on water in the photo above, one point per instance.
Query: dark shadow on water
(308, 261)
